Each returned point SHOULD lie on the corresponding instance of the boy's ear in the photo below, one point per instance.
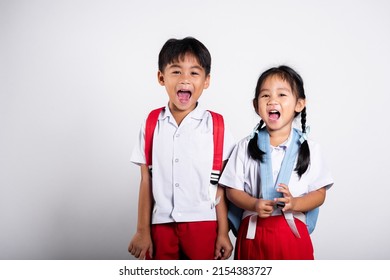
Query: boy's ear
(301, 103)
(207, 82)
(160, 78)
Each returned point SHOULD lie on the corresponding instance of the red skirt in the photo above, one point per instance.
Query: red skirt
(274, 240)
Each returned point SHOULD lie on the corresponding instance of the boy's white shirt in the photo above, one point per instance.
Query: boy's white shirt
(182, 164)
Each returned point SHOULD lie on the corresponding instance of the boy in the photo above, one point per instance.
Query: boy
(177, 216)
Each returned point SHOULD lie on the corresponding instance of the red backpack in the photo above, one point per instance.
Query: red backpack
(218, 136)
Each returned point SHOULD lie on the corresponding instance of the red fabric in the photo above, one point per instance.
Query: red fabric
(190, 240)
(151, 123)
(218, 136)
(274, 240)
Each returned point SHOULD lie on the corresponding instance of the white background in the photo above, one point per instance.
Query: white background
(77, 78)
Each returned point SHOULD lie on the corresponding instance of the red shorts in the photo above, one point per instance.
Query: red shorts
(274, 240)
(189, 240)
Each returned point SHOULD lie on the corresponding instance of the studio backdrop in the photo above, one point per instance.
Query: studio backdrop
(77, 79)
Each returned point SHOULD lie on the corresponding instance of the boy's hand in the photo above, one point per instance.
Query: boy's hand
(140, 245)
(223, 247)
(264, 208)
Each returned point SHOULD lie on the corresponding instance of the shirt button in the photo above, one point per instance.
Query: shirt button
(177, 135)
(177, 185)
(176, 160)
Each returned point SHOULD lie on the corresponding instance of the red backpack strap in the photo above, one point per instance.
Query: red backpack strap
(218, 137)
(151, 122)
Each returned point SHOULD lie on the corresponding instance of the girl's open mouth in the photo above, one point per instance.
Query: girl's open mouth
(274, 115)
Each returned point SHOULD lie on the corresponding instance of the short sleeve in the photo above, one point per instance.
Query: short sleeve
(233, 174)
(320, 173)
(138, 153)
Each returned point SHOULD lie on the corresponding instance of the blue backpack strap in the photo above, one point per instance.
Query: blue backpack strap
(284, 177)
(311, 219)
(234, 217)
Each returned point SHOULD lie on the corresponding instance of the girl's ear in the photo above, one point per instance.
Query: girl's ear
(255, 105)
(301, 103)
(160, 78)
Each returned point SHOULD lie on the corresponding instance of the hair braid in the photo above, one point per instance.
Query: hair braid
(303, 120)
(304, 151)
(253, 148)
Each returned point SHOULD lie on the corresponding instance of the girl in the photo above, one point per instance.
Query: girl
(276, 175)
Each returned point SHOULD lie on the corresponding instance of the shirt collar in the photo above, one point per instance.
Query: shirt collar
(198, 113)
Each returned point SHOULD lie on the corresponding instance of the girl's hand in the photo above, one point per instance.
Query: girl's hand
(287, 199)
(264, 208)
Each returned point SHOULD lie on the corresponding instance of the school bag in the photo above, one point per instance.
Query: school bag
(269, 192)
(218, 136)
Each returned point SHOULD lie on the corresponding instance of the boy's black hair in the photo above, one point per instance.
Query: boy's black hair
(296, 83)
(175, 50)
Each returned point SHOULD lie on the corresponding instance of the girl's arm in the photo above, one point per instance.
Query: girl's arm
(142, 240)
(303, 203)
(243, 200)
(223, 245)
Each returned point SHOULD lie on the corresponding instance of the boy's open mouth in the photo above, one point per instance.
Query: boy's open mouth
(184, 95)
(274, 115)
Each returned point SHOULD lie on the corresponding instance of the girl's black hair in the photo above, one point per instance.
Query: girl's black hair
(295, 81)
(175, 50)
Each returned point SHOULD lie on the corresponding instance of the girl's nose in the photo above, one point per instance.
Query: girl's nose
(272, 100)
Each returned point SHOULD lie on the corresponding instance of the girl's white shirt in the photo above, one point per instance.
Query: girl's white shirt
(243, 173)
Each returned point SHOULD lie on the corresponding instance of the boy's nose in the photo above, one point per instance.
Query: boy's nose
(185, 80)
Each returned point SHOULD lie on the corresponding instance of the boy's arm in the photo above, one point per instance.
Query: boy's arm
(141, 242)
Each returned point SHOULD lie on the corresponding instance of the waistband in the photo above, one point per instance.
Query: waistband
(289, 216)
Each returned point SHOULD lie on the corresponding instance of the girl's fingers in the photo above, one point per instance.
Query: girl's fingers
(283, 186)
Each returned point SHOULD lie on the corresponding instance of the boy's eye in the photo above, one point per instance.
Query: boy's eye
(194, 73)
(264, 96)
(176, 72)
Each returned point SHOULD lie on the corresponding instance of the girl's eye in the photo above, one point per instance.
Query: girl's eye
(264, 96)
(285, 93)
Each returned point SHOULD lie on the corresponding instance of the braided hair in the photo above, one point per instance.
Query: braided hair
(294, 79)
